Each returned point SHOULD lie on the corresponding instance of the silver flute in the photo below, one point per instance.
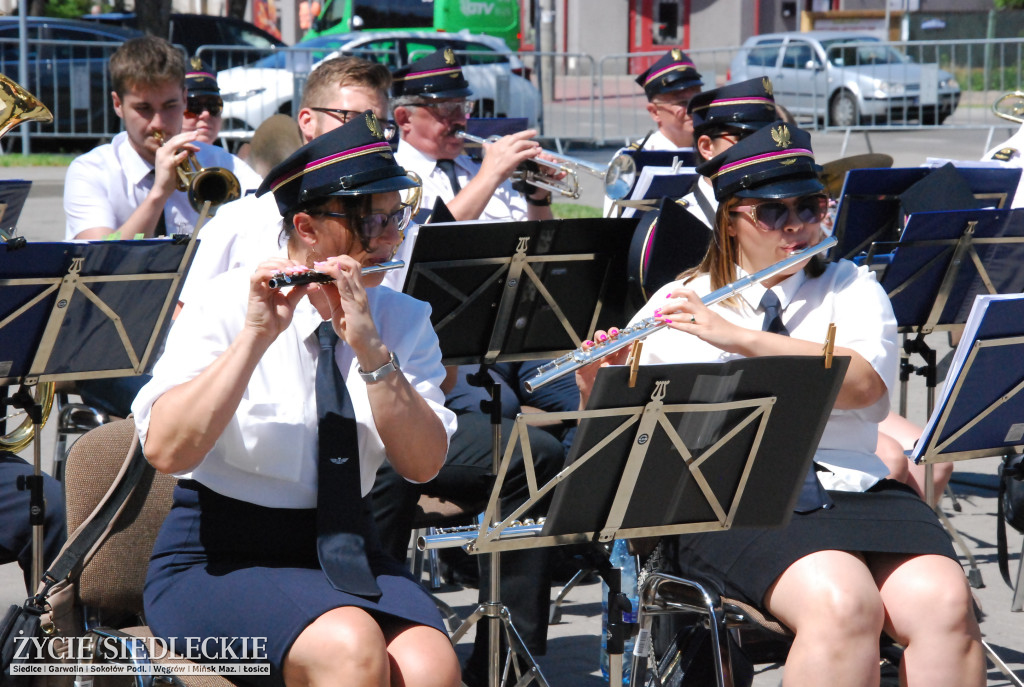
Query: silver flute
(574, 360)
(279, 280)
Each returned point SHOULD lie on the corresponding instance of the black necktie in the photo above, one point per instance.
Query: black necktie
(812, 495)
(161, 223)
(340, 541)
(448, 167)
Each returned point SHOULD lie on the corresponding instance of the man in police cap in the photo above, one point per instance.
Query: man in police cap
(431, 101)
(670, 84)
(722, 117)
(203, 104)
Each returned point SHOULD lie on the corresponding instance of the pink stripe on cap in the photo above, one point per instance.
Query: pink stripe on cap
(678, 66)
(792, 152)
(332, 159)
(201, 74)
(432, 72)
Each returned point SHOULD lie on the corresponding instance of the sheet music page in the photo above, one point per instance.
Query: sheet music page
(963, 349)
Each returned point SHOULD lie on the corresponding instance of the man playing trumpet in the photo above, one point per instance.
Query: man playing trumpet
(130, 184)
(431, 105)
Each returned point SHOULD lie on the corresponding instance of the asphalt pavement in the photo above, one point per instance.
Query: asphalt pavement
(573, 648)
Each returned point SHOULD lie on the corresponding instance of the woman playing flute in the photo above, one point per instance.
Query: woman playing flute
(863, 554)
(275, 408)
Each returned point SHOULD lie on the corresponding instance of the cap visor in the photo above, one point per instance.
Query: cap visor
(681, 85)
(786, 188)
(398, 183)
(453, 93)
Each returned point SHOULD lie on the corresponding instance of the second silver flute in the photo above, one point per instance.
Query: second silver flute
(570, 362)
(279, 280)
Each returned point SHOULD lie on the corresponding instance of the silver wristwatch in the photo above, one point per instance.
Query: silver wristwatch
(381, 372)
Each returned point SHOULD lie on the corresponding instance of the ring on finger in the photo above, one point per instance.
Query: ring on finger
(693, 320)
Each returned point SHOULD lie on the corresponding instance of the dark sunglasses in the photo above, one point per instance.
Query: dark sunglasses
(196, 106)
(772, 215)
(389, 127)
(373, 225)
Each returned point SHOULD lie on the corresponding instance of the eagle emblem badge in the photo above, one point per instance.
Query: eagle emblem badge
(781, 136)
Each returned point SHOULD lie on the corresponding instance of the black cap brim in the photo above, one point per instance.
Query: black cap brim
(785, 188)
(439, 95)
(395, 183)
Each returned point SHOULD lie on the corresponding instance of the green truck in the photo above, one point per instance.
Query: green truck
(492, 17)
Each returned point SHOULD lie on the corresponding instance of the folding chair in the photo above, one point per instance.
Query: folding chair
(108, 592)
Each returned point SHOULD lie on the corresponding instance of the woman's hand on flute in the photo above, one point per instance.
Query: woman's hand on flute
(350, 310)
(270, 310)
(586, 374)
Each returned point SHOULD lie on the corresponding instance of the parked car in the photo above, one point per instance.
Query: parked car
(67, 72)
(269, 86)
(191, 31)
(847, 78)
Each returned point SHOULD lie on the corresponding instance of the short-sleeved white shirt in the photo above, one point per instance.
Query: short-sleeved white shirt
(659, 141)
(846, 295)
(104, 187)
(707, 193)
(506, 204)
(1016, 144)
(267, 453)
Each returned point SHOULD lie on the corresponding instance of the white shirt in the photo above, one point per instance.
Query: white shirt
(1016, 144)
(693, 204)
(659, 141)
(267, 455)
(506, 203)
(845, 294)
(104, 187)
(243, 233)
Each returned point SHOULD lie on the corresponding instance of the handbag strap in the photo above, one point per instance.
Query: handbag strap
(83, 542)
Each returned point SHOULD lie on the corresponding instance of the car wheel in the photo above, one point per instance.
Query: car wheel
(843, 111)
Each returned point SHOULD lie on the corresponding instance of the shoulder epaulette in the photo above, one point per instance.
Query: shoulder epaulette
(1005, 154)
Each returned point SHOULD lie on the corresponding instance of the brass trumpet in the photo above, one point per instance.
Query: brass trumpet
(1010, 106)
(215, 184)
(547, 176)
(16, 106)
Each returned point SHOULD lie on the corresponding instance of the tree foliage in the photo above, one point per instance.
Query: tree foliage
(1009, 4)
(70, 9)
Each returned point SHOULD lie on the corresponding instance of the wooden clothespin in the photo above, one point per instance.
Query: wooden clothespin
(830, 344)
(634, 361)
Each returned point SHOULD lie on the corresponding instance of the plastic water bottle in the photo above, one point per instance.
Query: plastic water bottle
(620, 559)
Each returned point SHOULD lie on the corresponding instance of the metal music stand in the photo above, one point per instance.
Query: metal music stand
(83, 310)
(687, 448)
(942, 260)
(980, 410)
(871, 209)
(516, 291)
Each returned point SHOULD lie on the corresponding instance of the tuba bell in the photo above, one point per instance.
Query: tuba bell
(215, 184)
(16, 106)
(1010, 106)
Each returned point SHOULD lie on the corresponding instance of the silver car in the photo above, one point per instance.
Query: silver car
(846, 78)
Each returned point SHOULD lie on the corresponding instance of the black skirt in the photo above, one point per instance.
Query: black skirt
(223, 568)
(745, 562)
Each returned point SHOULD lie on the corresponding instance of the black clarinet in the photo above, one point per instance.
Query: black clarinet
(279, 280)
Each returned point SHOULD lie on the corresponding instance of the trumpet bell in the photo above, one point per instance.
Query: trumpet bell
(215, 184)
(1010, 106)
(18, 105)
(620, 177)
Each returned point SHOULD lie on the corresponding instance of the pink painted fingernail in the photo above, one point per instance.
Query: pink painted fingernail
(668, 295)
(588, 343)
(657, 313)
(614, 331)
(602, 337)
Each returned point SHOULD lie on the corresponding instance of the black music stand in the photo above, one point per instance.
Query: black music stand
(688, 448)
(872, 208)
(979, 412)
(516, 291)
(942, 260)
(83, 310)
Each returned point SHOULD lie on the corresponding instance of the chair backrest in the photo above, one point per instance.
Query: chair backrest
(113, 579)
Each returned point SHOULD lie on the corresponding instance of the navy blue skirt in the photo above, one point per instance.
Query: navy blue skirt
(224, 568)
(745, 562)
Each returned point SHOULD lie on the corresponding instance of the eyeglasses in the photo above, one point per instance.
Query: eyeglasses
(196, 106)
(389, 127)
(373, 225)
(682, 104)
(773, 215)
(449, 109)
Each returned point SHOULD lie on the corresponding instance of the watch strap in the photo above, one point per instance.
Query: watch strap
(392, 365)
